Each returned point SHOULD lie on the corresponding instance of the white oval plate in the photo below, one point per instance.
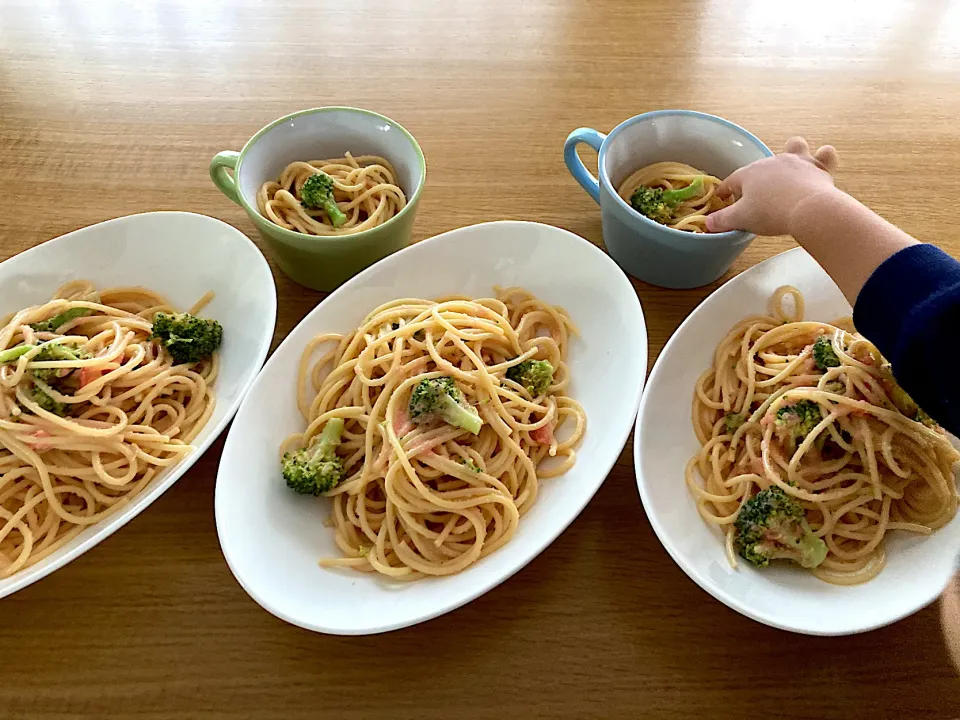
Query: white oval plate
(181, 256)
(273, 538)
(785, 597)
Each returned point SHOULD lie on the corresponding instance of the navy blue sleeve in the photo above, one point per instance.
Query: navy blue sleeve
(910, 309)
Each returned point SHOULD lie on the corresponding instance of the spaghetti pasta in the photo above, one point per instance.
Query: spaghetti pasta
(365, 189)
(90, 412)
(688, 214)
(869, 462)
(432, 499)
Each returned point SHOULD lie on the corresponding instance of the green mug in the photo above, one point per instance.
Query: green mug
(324, 262)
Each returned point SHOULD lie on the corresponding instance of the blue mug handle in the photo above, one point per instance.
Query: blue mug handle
(575, 165)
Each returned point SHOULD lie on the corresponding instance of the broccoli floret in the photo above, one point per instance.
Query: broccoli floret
(798, 419)
(649, 201)
(534, 375)
(440, 399)
(48, 403)
(317, 194)
(771, 526)
(732, 421)
(187, 338)
(657, 203)
(55, 351)
(316, 469)
(824, 355)
(58, 321)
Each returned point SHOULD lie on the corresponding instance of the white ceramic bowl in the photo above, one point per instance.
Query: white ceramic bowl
(273, 538)
(182, 256)
(786, 597)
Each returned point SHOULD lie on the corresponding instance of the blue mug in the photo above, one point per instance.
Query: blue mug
(644, 248)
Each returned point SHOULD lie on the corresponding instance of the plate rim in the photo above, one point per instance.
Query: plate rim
(483, 586)
(20, 580)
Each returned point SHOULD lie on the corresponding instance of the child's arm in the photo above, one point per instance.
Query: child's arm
(906, 295)
(793, 194)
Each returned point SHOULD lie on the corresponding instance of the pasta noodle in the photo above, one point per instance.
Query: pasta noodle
(691, 214)
(81, 443)
(432, 499)
(365, 189)
(873, 464)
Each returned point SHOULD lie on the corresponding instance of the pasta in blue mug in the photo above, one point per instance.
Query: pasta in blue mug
(644, 248)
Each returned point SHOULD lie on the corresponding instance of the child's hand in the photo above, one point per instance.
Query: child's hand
(769, 191)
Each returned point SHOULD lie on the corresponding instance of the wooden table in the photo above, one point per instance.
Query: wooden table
(110, 108)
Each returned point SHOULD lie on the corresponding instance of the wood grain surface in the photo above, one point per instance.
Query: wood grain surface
(109, 108)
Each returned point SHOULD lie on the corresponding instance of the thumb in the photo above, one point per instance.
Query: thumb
(728, 218)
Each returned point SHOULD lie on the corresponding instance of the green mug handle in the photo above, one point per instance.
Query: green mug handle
(227, 181)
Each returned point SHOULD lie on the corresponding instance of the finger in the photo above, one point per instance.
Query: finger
(827, 158)
(733, 185)
(729, 218)
(796, 146)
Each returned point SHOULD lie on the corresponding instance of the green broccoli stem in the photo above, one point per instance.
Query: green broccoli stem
(334, 212)
(329, 438)
(674, 197)
(456, 414)
(8, 356)
(58, 321)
